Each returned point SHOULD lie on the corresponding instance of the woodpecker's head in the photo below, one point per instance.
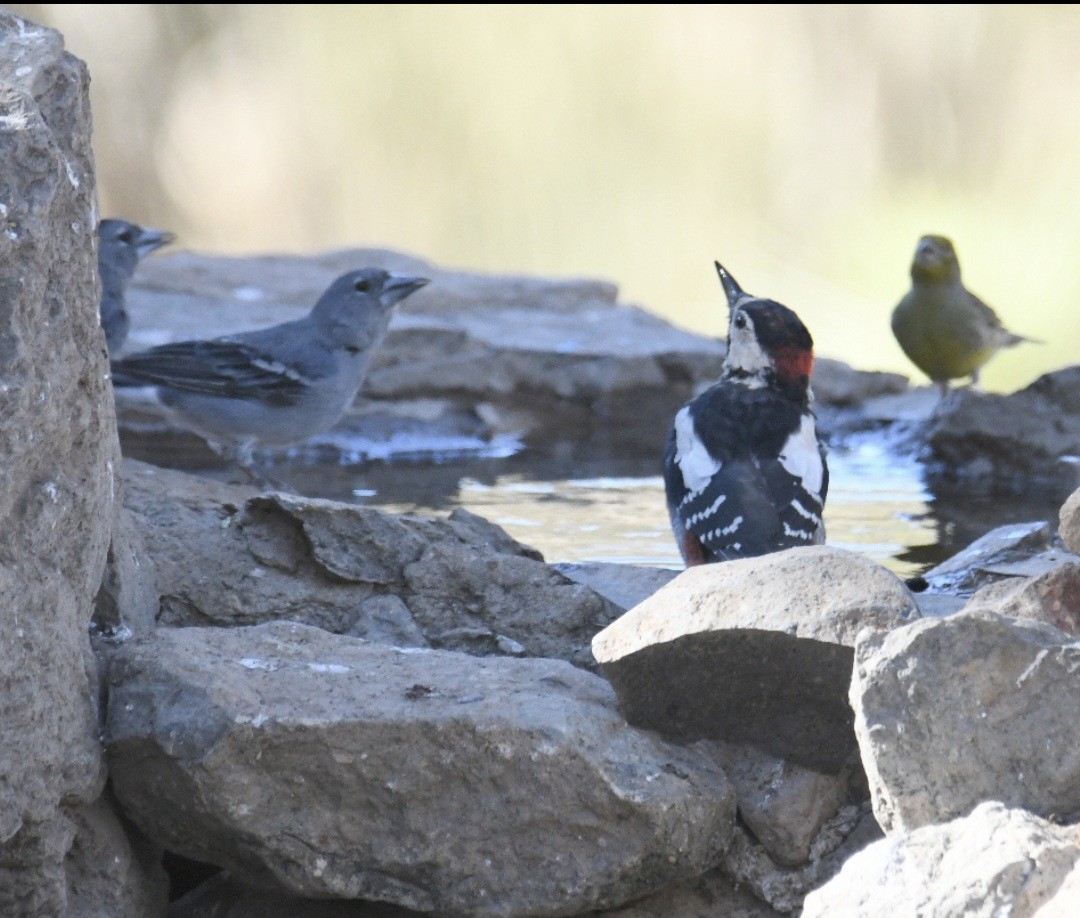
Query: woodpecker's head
(767, 343)
(935, 261)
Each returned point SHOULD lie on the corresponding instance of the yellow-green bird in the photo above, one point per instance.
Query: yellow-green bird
(944, 329)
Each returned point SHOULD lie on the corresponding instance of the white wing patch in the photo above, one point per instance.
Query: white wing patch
(801, 456)
(278, 369)
(695, 463)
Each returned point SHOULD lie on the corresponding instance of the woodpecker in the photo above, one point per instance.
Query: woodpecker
(744, 468)
(943, 328)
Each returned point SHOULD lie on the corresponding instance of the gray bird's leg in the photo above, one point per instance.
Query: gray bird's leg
(242, 456)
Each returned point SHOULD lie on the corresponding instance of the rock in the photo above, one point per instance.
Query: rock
(785, 888)
(835, 383)
(223, 896)
(1015, 442)
(58, 457)
(952, 712)
(1062, 904)
(991, 557)
(995, 861)
(1070, 522)
(228, 556)
(1052, 597)
(784, 805)
(626, 585)
(127, 600)
(756, 650)
(432, 780)
(111, 869)
(713, 895)
(468, 340)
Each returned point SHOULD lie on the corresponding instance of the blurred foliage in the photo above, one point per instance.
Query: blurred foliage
(807, 147)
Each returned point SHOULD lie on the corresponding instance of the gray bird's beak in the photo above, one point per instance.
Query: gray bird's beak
(397, 288)
(735, 294)
(151, 239)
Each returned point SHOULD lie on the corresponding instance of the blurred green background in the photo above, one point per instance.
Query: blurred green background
(807, 147)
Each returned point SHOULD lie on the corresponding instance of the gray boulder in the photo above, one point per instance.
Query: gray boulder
(758, 650)
(748, 864)
(111, 869)
(432, 780)
(995, 861)
(501, 353)
(1052, 597)
(1069, 520)
(1029, 438)
(953, 712)
(225, 555)
(784, 805)
(59, 459)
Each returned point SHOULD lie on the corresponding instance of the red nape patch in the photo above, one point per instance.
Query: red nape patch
(794, 363)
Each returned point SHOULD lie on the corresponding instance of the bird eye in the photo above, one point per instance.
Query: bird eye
(739, 320)
(127, 236)
(362, 286)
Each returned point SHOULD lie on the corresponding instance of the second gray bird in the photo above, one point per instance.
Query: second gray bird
(280, 385)
(121, 245)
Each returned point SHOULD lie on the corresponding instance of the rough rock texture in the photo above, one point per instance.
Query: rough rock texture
(713, 895)
(784, 888)
(433, 780)
(223, 896)
(1014, 550)
(127, 600)
(1012, 441)
(111, 869)
(996, 861)
(226, 556)
(1069, 519)
(626, 585)
(468, 359)
(1064, 901)
(975, 707)
(58, 452)
(756, 650)
(784, 805)
(1053, 597)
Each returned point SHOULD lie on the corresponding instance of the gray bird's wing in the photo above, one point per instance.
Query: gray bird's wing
(221, 367)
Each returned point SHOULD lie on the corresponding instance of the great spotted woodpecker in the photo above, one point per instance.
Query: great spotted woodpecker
(744, 469)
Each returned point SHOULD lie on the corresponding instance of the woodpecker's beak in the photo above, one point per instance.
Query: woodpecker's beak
(151, 239)
(735, 294)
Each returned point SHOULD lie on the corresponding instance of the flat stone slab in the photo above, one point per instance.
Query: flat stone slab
(758, 650)
(432, 780)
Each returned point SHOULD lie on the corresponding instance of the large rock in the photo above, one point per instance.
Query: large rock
(58, 459)
(1052, 597)
(975, 707)
(1014, 442)
(758, 650)
(227, 556)
(784, 888)
(1069, 520)
(111, 869)
(996, 861)
(512, 353)
(433, 780)
(470, 360)
(783, 804)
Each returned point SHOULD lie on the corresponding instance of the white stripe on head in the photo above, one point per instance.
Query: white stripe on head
(801, 456)
(692, 457)
(744, 350)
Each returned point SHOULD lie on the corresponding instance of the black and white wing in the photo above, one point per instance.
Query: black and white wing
(222, 367)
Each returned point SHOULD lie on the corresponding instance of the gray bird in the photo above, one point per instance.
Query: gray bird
(121, 245)
(943, 328)
(280, 385)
